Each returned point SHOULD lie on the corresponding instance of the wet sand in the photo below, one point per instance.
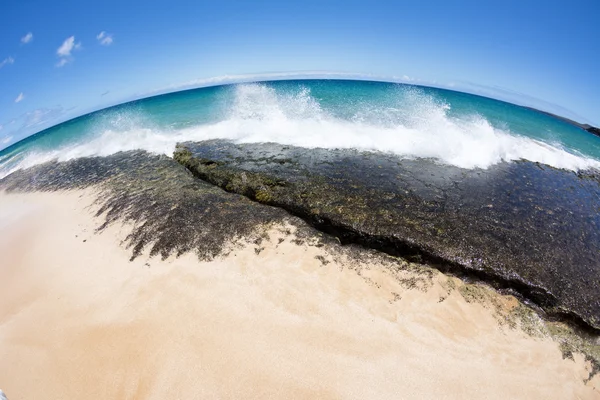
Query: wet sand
(79, 320)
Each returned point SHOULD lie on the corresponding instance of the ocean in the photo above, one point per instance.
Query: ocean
(453, 128)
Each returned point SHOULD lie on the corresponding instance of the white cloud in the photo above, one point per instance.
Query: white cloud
(64, 51)
(1, 127)
(105, 39)
(19, 98)
(27, 38)
(6, 61)
(7, 139)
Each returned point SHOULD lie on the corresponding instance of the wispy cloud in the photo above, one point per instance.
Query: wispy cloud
(39, 117)
(36, 117)
(20, 98)
(520, 98)
(227, 79)
(27, 38)
(6, 139)
(62, 62)
(65, 50)
(6, 61)
(105, 39)
(31, 122)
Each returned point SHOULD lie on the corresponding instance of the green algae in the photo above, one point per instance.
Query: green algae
(572, 341)
(171, 212)
(474, 293)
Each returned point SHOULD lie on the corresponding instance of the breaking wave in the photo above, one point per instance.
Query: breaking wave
(410, 124)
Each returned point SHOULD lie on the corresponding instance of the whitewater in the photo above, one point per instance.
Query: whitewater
(411, 122)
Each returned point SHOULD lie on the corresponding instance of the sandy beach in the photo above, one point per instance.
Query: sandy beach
(78, 319)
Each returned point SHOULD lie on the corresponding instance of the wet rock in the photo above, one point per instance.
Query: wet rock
(522, 226)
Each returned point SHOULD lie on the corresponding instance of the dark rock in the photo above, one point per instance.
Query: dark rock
(595, 131)
(521, 226)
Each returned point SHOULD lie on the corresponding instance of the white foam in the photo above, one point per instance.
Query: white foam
(414, 126)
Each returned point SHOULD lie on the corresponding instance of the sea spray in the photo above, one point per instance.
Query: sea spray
(407, 121)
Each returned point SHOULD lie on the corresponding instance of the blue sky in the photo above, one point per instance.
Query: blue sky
(61, 59)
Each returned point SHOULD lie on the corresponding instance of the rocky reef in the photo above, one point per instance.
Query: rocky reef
(521, 227)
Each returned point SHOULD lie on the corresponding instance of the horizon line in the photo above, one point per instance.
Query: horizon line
(225, 80)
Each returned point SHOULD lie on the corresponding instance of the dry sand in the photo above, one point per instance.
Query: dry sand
(78, 320)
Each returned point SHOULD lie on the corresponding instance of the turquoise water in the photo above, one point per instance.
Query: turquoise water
(452, 127)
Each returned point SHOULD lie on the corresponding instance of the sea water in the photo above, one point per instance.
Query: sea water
(453, 128)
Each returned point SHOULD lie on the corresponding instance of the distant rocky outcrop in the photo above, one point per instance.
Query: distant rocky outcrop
(586, 127)
(592, 129)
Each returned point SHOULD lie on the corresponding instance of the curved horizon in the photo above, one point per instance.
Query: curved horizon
(285, 76)
(53, 67)
(407, 119)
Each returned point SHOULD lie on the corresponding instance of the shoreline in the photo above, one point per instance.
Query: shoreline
(281, 316)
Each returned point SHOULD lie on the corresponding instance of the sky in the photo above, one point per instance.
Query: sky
(61, 59)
